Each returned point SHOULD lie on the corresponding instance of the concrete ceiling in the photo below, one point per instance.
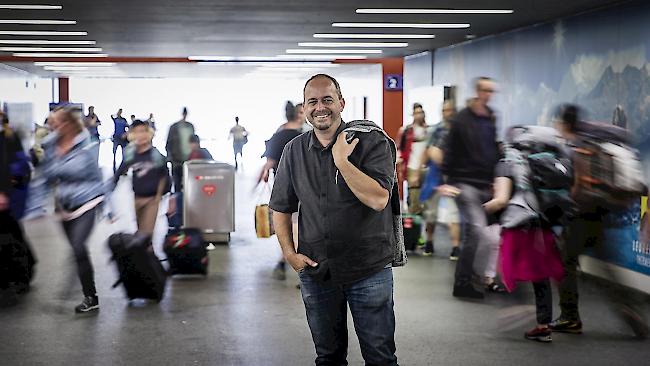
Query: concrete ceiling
(166, 28)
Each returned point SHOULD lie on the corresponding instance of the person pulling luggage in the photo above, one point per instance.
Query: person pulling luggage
(150, 175)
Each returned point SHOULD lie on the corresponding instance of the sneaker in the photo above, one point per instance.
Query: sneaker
(539, 335)
(455, 252)
(89, 303)
(280, 272)
(428, 249)
(562, 325)
(467, 291)
(495, 287)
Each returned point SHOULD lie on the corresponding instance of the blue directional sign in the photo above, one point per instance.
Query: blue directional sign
(393, 82)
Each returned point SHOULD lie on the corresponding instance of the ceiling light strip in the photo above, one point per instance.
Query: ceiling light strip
(66, 68)
(31, 7)
(323, 57)
(45, 42)
(65, 63)
(333, 51)
(373, 36)
(37, 21)
(354, 44)
(403, 25)
(42, 33)
(51, 49)
(435, 11)
(56, 55)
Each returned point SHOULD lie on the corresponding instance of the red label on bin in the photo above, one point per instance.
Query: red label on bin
(209, 189)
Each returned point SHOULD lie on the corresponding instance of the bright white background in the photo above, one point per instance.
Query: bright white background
(213, 104)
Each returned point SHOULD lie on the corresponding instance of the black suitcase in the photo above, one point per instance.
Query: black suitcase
(186, 252)
(412, 225)
(139, 269)
(16, 257)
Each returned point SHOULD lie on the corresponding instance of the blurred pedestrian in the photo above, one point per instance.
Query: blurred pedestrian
(178, 148)
(412, 146)
(587, 230)
(470, 157)
(92, 122)
(198, 152)
(70, 165)
(239, 137)
(439, 208)
(291, 129)
(119, 135)
(150, 175)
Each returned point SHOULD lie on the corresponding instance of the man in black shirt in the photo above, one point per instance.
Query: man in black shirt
(470, 157)
(150, 175)
(344, 252)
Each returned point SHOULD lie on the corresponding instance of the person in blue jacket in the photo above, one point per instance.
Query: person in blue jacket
(70, 165)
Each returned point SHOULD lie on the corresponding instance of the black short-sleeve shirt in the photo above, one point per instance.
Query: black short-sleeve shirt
(348, 239)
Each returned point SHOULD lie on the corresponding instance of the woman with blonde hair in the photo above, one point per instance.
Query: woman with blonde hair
(69, 164)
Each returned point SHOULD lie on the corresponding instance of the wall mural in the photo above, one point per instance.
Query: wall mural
(598, 60)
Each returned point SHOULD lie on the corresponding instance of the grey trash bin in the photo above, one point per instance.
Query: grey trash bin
(209, 199)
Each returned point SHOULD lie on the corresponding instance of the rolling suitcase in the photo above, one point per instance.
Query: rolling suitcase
(186, 252)
(412, 225)
(16, 257)
(139, 269)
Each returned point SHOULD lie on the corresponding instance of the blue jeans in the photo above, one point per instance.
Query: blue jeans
(371, 305)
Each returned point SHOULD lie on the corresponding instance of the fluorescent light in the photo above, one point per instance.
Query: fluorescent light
(332, 51)
(55, 55)
(230, 58)
(66, 68)
(45, 42)
(402, 25)
(42, 33)
(353, 44)
(284, 65)
(285, 69)
(373, 36)
(433, 11)
(37, 21)
(31, 7)
(322, 57)
(63, 64)
(51, 49)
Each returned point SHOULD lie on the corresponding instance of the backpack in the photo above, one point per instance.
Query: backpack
(609, 173)
(551, 176)
(548, 170)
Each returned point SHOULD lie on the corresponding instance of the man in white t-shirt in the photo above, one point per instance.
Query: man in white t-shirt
(412, 146)
(239, 137)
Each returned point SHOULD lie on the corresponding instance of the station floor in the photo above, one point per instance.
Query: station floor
(239, 315)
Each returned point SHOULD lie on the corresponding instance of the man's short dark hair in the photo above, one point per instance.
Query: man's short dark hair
(336, 83)
(195, 139)
(138, 123)
(479, 79)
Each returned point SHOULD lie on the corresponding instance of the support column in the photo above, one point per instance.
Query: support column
(64, 90)
(393, 99)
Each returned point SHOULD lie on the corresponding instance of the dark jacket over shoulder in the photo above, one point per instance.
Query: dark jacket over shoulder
(471, 152)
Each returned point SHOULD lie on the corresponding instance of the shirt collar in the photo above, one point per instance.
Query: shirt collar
(313, 140)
